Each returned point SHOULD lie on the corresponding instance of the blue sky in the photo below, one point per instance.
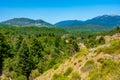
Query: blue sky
(57, 10)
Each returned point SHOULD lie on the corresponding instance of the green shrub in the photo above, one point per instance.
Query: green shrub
(13, 74)
(59, 77)
(68, 71)
(79, 61)
(88, 66)
(101, 40)
(21, 77)
(56, 66)
(109, 70)
(109, 65)
(34, 74)
(95, 74)
(101, 60)
(76, 76)
(112, 49)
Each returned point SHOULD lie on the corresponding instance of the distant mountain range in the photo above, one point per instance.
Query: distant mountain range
(26, 22)
(104, 21)
(99, 22)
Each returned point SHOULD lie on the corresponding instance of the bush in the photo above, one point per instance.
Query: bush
(79, 61)
(96, 74)
(108, 71)
(101, 60)
(109, 65)
(76, 76)
(56, 66)
(13, 74)
(34, 74)
(59, 77)
(101, 40)
(21, 77)
(88, 66)
(68, 71)
(112, 49)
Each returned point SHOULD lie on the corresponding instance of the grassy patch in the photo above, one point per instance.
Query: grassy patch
(109, 70)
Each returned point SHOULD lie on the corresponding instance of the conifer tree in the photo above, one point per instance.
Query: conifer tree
(4, 50)
(25, 62)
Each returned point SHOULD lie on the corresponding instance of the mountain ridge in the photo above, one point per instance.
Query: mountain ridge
(26, 22)
(104, 20)
(99, 22)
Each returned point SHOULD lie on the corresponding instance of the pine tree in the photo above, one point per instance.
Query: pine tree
(101, 40)
(75, 45)
(25, 62)
(18, 42)
(4, 50)
(36, 48)
(57, 41)
(37, 56)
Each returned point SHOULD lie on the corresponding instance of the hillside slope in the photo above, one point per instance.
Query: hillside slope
(99, 63)
(26, 22)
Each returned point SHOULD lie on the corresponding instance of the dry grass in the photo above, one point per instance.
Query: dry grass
(78, 61)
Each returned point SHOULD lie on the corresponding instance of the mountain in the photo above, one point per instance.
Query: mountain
(69, 23)
(96, 23)
(26, 22)
(104, 21)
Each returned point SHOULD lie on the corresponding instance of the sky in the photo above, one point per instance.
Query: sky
(57, 10)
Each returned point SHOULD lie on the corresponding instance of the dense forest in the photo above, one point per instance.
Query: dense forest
(27, 52)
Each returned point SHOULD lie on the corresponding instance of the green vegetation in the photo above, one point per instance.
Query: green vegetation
(112, 32)
(34, 74)
(101, 60)
(60, 77)
(68, 71)
(27, 52)
(56, 66)
(25, 49)
(109, 70)
(76, 76)
(114, 48)
(88, 66)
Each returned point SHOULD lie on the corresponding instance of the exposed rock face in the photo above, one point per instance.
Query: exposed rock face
(107, 39)
(117, 35)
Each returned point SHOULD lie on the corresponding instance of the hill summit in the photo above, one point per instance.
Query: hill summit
(26, 22)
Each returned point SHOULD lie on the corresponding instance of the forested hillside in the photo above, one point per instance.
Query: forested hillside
(26, 22)
(28, 52)
(97, 23)
(100, 62)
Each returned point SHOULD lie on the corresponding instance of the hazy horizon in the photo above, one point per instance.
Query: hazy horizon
(57, 10)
